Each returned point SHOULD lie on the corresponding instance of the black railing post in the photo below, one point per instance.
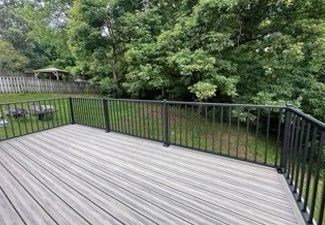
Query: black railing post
(165, 118)
(106, 115)
(71, 111)
(286, 137)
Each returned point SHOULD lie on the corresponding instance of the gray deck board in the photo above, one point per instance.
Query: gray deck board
(81, 175)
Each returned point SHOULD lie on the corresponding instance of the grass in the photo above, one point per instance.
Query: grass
(5, 98)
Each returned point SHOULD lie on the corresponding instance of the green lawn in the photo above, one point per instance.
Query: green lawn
(5, 98)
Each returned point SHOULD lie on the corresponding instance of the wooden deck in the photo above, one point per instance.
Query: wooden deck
(81, 175)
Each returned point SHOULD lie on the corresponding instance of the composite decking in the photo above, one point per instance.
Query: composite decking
(80, 175)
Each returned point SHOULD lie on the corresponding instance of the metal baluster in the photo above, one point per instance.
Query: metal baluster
(192, 124)
(213, 128)
(319, 166)
(310, 165)
(152, 119)
(10, 120)
(64, 101)
(206, 127)
(199, 114)
(180, 123)
(18, 115)
(165, 123)
(24, 118)
(256, 132)
(221, 128)
(174, 125)
(322, 205)
(294, 151)
(247, 131)
(60, 111)
(238, 135)
(4, 121)
(267, 135)
(229, 129)
(113, 110)
(299, 155)
(277, 149)
(148, 119)
(144, 121)
(37, 115)
(291, 139)
(186, 126)
(303, 166)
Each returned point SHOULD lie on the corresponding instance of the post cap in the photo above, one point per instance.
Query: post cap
(288, 104)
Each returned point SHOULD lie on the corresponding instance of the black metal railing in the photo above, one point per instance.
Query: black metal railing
(88, 111)
(20, 118)
(277, 136)
(303, 162)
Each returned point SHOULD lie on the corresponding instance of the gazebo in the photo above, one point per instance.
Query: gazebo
(51, 71)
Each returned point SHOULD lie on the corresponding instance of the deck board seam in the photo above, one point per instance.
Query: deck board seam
(110, 156)
(44, 185)
(207, 202)
(141, 164)
(74, 189)
(246, 218)
(267, 170)
(235, 173)
(12, 205)
(32, 196)
(70, 140)
(102, 190)
(84, 166)
(109, 162)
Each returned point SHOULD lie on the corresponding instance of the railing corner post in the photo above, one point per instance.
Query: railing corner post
(165, 123)
(286, 137)
(71, 111)
(106, 115)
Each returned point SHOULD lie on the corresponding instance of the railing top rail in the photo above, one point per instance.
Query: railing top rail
(36, 100)
(201, 103)
(135, 100)
(227, 104)
(311, 119)
(88, 98)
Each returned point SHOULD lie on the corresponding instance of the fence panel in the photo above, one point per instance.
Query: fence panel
(33, 85)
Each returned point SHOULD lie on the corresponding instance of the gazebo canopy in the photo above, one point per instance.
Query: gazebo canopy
(53, 71)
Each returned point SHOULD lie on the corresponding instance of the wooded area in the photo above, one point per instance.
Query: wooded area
(240, 51)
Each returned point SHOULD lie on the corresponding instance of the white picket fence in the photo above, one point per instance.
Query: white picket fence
(34, 85)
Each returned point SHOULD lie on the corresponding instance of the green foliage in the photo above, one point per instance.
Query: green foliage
(106, 86)
(215, 50)
(37, 30)
(10, 58)
(203, 90)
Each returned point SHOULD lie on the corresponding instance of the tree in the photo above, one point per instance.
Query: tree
(10, 58)
(241, 51)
